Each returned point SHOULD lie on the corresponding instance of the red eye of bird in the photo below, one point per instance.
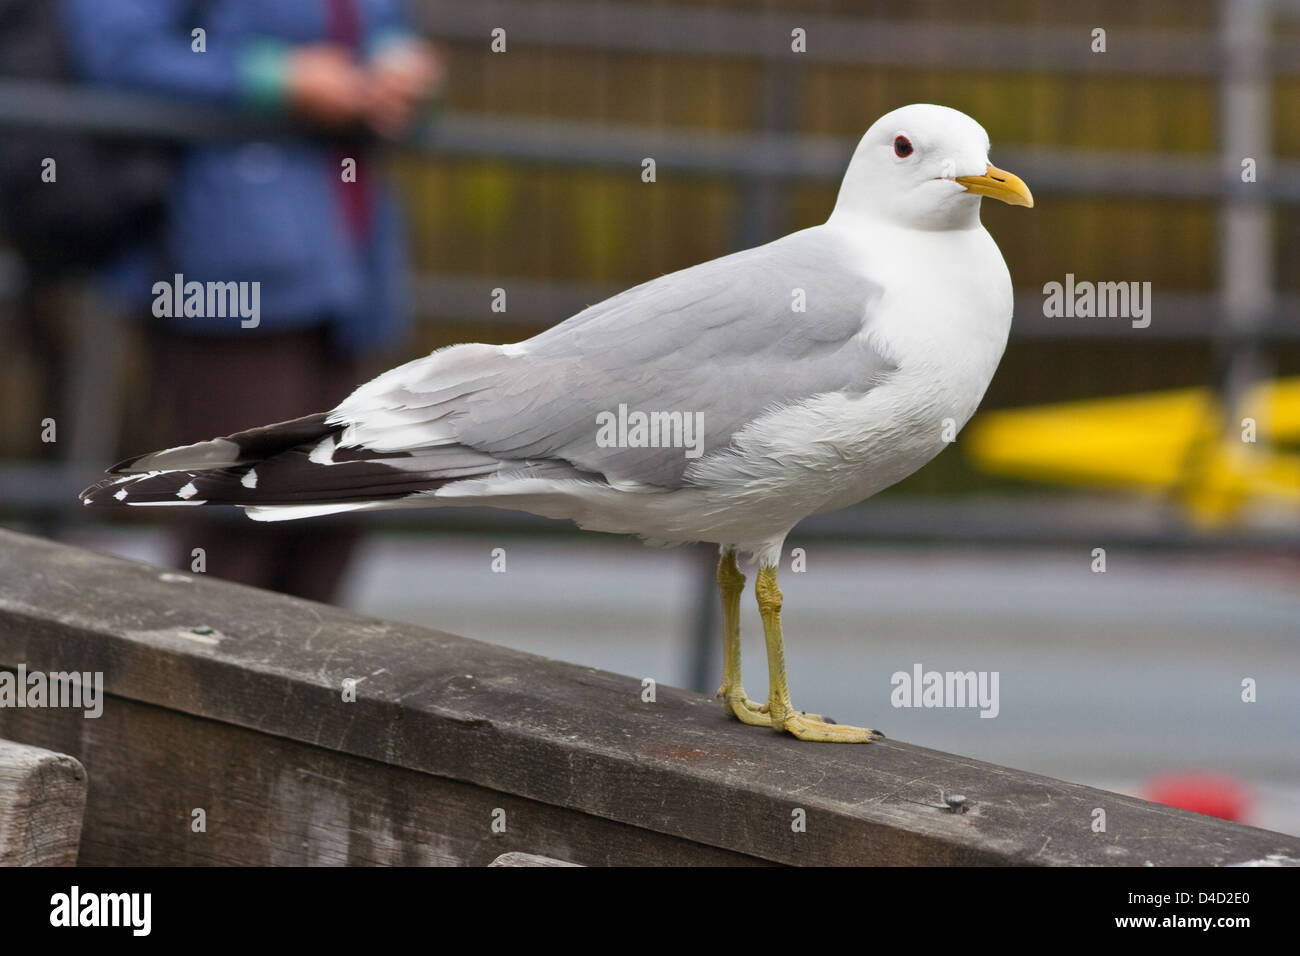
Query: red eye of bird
(902, 147)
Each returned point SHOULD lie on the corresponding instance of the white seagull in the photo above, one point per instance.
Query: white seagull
(722, 403)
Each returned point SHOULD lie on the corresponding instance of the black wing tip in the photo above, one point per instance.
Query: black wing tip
(99, 492)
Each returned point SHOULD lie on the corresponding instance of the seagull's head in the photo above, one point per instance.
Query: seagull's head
(926, 167)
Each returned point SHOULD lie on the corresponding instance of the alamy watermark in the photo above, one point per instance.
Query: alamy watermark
(208, 300)
(75, 908)
(1102, 300)
(636, 429)
(922, 688)
(74, 689)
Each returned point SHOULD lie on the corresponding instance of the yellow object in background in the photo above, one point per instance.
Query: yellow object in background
(1175, 441)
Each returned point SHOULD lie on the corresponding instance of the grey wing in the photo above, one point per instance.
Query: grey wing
(728, 339)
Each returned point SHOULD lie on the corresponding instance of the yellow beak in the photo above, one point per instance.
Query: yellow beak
(999, 184)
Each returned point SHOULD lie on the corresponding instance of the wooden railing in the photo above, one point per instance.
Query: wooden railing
(243, 727)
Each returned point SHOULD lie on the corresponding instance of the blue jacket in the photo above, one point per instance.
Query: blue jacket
(267, 212)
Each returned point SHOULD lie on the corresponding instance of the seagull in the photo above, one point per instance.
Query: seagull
(722, 403)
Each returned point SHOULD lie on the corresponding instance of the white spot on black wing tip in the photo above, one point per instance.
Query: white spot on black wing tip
(120, 494)
(250, 478)
(323, 453)
(188, 491)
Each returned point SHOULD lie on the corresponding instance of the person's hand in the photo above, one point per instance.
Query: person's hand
(325, 84)
(401, 78)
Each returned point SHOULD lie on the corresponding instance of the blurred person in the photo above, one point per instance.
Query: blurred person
(324, 255)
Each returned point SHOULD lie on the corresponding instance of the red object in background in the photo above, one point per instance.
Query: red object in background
(1209, 793)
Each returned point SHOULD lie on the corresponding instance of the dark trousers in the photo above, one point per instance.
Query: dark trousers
(211, 385)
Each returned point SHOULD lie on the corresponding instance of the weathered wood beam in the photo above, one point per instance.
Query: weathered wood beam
(232, 700)
(42, 796)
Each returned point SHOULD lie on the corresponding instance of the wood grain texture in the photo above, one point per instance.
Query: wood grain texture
(268, 801)
(516, 725)
(42, 797)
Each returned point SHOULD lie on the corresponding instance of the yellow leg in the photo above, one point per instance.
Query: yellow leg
(734, 699)
(780, 710)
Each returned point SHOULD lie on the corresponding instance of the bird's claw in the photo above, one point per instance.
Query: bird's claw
(811, 727)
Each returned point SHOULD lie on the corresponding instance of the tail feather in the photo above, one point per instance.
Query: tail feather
(237, 449)
(295, 463)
